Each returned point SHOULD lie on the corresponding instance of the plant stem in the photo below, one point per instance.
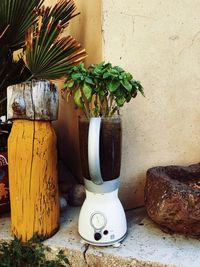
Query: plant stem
(107, 107)
(112, 112)
(4, 30)
(2, 100)
(111, 98)
(100, 107)
(85, 104)
(30, 78)
(2, 83)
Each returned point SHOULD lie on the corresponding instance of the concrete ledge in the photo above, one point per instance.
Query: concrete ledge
(145, 246)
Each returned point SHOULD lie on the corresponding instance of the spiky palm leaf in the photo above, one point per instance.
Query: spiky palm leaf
(15, 17)
(47, 55)
(11, 72)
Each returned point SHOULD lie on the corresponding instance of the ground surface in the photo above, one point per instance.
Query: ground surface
(145, 245)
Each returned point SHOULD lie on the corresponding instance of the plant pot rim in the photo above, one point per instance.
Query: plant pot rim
(113, 118)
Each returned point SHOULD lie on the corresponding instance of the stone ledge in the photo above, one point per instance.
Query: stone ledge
(145, 246)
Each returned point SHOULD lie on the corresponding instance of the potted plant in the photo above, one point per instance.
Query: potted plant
(32, 105)
(100, 91)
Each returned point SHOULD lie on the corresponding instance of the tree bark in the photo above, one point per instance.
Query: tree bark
(34, 100)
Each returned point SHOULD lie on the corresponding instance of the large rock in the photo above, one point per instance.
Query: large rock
(77, 195)
(172, 197)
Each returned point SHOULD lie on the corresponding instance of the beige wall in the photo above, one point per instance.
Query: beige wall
(159, 42)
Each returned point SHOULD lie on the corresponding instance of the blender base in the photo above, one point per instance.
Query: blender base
(115, 244)
(102, 220)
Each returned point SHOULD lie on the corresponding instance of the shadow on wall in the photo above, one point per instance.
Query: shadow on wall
(67, 133)
(128, 191)
(85, 28)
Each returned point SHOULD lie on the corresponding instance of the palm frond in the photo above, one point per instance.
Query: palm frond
(11, 72)
(47, 55)
(16, 16)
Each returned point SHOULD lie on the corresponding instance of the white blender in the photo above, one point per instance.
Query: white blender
(102, 220)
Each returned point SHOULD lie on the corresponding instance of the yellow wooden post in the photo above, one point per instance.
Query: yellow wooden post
(33, 184)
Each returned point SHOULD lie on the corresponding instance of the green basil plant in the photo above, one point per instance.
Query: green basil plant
(101, 89)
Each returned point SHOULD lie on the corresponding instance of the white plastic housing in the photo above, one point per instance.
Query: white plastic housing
(102, 216)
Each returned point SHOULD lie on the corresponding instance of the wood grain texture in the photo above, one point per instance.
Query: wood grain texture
(34, 100)
(33, 181)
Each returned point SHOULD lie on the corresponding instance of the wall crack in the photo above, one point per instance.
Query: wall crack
(191, 44)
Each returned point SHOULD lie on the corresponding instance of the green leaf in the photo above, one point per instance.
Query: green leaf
(133, 94)
(114, 72)
(106, 92)
(106, 75)
(78, 99)
(47, 55)
(141, 89)
(19, 15)
(89, 80)
(77, 76)
(126, 85)
(113, 85)
(129, 76)
(119, 69)
(120, 101)
(69, 84)
(61, 256)
(87, 90)
(26, 254)
(102, 92)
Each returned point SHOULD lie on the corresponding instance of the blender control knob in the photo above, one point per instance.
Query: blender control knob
(97, 236)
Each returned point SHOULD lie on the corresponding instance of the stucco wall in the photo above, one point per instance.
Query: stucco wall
(158, 42)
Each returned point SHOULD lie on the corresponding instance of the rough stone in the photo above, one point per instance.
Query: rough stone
(172, 197)
(77, 195)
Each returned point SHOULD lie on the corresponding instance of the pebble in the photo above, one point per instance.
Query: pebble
(63, 204)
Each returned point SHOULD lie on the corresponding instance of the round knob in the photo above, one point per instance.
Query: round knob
(97, 236)
(98, 220)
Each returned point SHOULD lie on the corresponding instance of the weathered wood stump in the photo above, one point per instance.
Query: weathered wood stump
(32, 157)
(35, 100)
(172, 198)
